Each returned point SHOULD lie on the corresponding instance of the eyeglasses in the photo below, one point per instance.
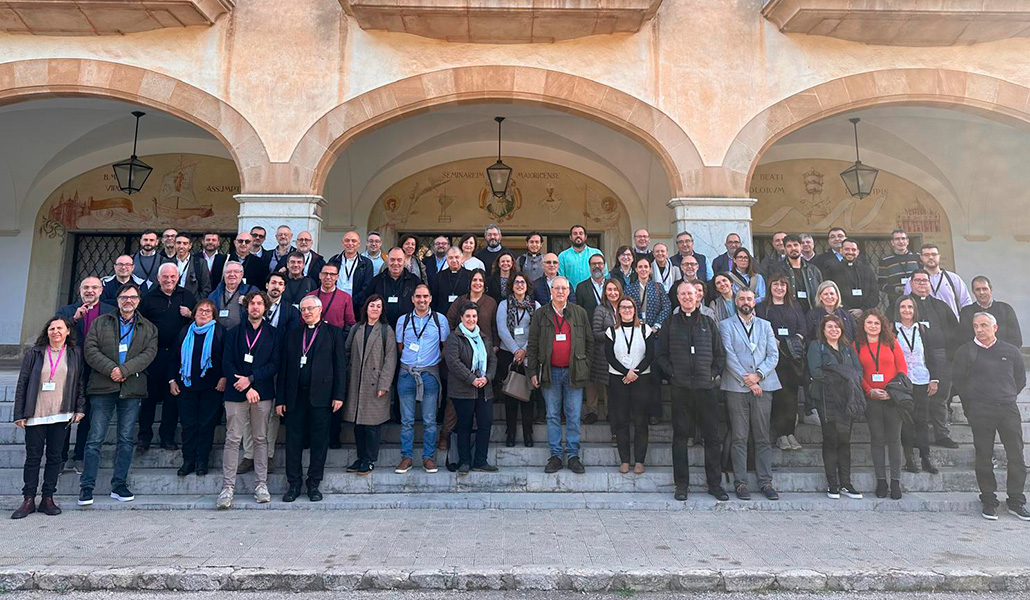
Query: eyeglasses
(122, 264)
(329, 274)
(550, 262)
(242, 241)
(128, 298)
(519, 282)
(204, 311)
(304, 239)
(626, 308)
(309, 308)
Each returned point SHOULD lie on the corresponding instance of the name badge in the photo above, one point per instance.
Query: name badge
(414, 346)
(856, 292)
(692, 350)
(303, 360)
(754, 346)
(782, 331)
(877, 377)
(123, 347)
(802, 294)
(223, 313)
(560, 337)
(248, 358)
(905, 280)
(925, 324)
(643, 316)
(520, 330)
(49, 386)
(452, 298)
(392, 299)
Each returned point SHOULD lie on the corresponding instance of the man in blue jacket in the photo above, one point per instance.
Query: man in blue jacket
(749, 380)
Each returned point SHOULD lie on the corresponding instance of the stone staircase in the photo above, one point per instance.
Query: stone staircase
(798, 475)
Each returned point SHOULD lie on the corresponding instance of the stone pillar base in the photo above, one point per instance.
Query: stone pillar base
(710, 220)
(300, 212)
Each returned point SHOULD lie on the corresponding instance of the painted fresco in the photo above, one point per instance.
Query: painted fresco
(186, 191)
(542, 196)
(808, 195)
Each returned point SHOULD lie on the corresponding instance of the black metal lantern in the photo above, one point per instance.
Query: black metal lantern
(132, 174)
(499, 173)
(859, 178)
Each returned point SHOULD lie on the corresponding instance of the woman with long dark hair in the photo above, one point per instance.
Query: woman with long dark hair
(629, 351)
(498, 285)
(882, 358)
(836, 383)
(371, 351)
(788, 324)
(920, 347)
(468, 245)
(745, 276)
(409, 244)
(622, 271)
(513, 315)
(48, 398)
(722, 297)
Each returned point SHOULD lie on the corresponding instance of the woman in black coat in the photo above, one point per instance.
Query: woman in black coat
(789, 326)
(471, 365)
(48, 398)
(197, 382)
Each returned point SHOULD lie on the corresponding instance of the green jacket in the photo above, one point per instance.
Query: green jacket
(541, 341)
(102, 355)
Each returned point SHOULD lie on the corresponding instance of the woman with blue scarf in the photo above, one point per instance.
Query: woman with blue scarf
(197, 382)
(471, 364)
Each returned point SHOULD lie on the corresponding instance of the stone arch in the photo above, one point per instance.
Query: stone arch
(25, 80)
(322, 143)
(989, 96)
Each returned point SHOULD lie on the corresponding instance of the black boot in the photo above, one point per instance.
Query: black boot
(527, 438)
(509, 439)
(928, 466)
(881, 488)
(27, 508)
(895, 489)
(910, 461)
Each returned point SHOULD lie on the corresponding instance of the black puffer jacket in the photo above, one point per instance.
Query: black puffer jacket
(680, 366)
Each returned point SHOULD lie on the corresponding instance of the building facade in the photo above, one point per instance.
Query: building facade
(670, 115)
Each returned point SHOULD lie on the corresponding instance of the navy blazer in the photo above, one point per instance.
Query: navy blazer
(542, 292)
(289, 318)
(262, 371)
(429, 262)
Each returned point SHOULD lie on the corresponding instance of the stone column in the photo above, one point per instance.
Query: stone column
(710, 220)
(300, 212)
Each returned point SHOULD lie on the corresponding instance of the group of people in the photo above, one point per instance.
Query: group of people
(262, 336)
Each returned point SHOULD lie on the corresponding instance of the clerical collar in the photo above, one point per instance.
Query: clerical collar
(315, 324)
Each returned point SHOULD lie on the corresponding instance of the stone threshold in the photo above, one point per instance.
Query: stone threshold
(67, 579)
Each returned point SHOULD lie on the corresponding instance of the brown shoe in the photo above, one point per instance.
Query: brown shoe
(246, 466)
(27, 508)
(638, 469)
(47, 506)
(429, 465)
(405, 465)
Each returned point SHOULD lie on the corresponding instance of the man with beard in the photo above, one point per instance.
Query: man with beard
(574, 262)
(283, 247)
(723, 263)
(856, 281)
(451, 283)
(123, 266)
(212, 258)
(257, 246)
(684, 249)
(493, 247)
(167, 253)
(895, 270)
(803, 276)
(434, 263)
(355, 270)
(146, 260)
(297, 285)
(193, 273)
(313, 261)
(588, 296)
(531, 263)
(946, 286)
(749, 380)
(255, 271)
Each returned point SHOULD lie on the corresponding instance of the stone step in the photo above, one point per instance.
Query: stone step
(658, 454)
(512, 479)
(663, 501)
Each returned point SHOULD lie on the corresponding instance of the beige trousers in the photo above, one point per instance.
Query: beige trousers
(239, 416)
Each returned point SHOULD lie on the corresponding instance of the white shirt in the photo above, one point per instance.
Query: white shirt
(345, 281)
(915, 355)
(182, 265)
(473, 264)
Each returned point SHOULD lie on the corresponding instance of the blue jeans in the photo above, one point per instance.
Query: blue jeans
(559, 396)
(430, 396)
(104, 407)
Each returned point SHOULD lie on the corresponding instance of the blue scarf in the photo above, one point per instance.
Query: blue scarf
(478, 349)
(186, 352)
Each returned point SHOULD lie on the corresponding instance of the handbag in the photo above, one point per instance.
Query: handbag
(517, 385)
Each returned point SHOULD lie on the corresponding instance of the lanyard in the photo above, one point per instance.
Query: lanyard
(664, 274)
(418, 334)
(349, 274)
(250, 344)
(559, 322)
(597, 291)
(273, 314)
(307, 262)
(939, 283)
(305, 346)
(747, 330)
(227, 301)
(332, 298)
(54, 364)
(182, 269)
(128, 333)
(147, 272)
(911, 342)
(876, 358)
(628, 340)
(519, 315)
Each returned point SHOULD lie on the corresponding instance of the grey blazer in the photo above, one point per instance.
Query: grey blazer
(740, 358)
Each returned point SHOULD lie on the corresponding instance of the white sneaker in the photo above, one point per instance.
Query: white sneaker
(813, 419)
(224, 499)
(782, 443)
(261, 495)
(793, 441)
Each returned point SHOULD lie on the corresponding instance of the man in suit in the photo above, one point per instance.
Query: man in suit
(83, 313)
(723, 263)
(749, 380)
(827, 260)
(437, 261)
(313, 261)
(355, 270)
(588, 296)
(312, 385)
(255, 271)
(193, 273)
(542, 286)
(214, 260)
